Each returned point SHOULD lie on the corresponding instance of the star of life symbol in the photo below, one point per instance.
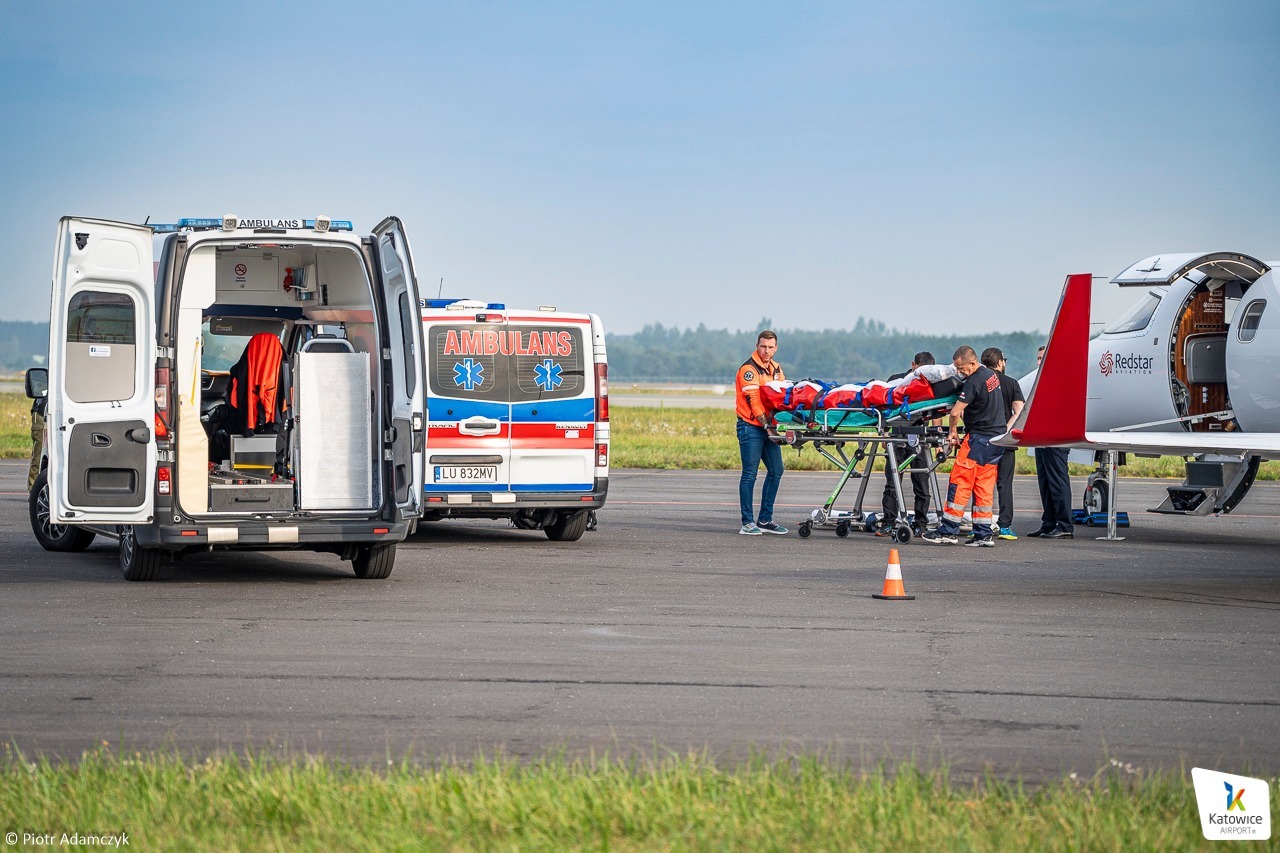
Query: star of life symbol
(547, 375)
(468, 374)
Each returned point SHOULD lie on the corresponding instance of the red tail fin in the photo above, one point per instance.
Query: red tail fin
(1055, 410)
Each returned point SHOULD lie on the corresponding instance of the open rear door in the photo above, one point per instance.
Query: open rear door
(404, 339)
(102, 352)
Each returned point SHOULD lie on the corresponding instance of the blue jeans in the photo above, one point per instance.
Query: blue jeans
(755, 446)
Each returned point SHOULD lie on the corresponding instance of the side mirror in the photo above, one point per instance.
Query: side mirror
(37, 382)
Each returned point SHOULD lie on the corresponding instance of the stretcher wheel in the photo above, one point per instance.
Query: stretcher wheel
(903, 534)
(804, 530)
(842, 529)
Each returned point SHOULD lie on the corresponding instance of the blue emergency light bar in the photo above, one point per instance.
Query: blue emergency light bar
(204, 224)
(445, 303)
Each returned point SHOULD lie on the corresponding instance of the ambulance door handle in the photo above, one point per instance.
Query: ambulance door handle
(479, 426)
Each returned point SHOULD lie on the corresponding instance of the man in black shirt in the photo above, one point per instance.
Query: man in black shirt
(1013, 402)
(919, 479)
(981, 404)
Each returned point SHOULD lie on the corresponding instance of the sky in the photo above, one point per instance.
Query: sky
(938, 166)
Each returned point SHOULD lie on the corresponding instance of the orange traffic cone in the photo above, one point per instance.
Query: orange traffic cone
(893, 588)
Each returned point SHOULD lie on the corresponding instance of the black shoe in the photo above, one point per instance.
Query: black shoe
(1042, 532)
(1058, 534)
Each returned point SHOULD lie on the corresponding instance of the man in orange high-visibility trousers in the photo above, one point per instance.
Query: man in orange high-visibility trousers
(973, 474)
(753, 437)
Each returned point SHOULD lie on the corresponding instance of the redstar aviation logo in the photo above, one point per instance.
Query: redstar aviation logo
(1118, 363)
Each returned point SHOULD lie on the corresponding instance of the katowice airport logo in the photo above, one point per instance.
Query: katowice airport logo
(1232, 808)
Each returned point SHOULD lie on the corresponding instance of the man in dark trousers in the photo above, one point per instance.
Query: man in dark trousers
(753, 438)
(919, 479)
(1055, 488)
(1013, 402)
(973, 474)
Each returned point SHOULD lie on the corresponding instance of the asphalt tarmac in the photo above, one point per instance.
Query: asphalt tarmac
(666, 630)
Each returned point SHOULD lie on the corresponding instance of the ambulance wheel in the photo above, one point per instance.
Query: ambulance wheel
(804, 530)
(1096, 499)
(842, 529)
(52, 537)
(137, 563)
(902, 535)
(374, 562)
(568, 526)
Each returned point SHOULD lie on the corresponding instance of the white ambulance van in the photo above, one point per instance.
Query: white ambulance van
(257, 386)
(517, 415)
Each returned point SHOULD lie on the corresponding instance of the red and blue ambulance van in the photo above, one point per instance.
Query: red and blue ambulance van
(517, 415)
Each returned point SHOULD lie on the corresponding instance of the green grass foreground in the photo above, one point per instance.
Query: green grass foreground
(162, 801)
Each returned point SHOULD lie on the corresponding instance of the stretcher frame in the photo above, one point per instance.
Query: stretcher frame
(903, 437)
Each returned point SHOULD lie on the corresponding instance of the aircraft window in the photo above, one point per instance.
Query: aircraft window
(1138, 318)
(1249, 321)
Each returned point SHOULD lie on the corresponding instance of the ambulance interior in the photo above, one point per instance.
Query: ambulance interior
(303, 435)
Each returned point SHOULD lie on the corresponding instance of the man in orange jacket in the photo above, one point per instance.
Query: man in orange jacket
(753, 437)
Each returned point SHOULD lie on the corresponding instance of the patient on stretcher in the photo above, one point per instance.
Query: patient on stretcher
(928, 382)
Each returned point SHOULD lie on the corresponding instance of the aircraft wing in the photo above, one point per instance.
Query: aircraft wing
(1054, 415)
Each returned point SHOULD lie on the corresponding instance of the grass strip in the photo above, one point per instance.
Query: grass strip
(656, 437)
(653, 437)
(163, 802)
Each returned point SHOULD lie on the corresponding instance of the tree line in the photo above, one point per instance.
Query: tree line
(869, 350)
(23, 345)
(659, 353)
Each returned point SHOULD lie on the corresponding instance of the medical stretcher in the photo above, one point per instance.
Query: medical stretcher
(901, 435)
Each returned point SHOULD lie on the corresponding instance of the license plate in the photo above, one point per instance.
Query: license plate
(466, 473)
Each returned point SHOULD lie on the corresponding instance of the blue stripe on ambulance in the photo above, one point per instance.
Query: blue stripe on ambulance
(438, 409)
(574, 410)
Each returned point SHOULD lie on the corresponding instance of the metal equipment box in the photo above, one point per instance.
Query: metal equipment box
(249, 494)
(254, 452)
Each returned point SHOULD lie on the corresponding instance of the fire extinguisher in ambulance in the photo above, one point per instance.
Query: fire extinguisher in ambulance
(288, 279)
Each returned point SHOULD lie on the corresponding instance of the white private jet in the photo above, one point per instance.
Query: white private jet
(1193, 370)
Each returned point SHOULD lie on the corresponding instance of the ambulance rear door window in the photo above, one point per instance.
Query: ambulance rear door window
(468, 363)
(548, 363)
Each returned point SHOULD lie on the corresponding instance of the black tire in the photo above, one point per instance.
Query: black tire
(842, 529)
(804, 530)
(1096, 498)
(568, 526)
(137, 563)
(375, 562)
(52, 537)
(902, 535)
